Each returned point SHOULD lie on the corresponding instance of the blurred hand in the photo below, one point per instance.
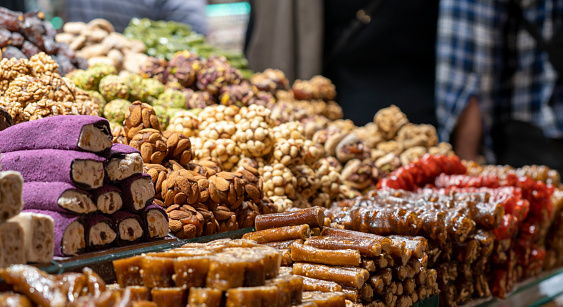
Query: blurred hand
(466, 137)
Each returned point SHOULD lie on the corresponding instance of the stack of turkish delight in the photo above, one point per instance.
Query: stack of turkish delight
(24, 237)
(95, 192)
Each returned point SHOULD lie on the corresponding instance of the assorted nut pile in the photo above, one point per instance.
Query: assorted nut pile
(97, 42)
(199, 196)
(33, 89)
(25, 35)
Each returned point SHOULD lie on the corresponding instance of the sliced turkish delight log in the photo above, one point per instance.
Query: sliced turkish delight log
(40, 287)
(225, 272)
(157, 271)
(313, 284)
(385, 242)
(204, 297)
(128, 271)
(290, 289)
(57, 196)
(143, 304)
(99, 231)
(252, 296)
(137, 192)
(39, 241)
(338, 257)
(71, 132)
(254, 272)
(107, 199)
(313, 216)
(11, 186)
(11, 299)
(279, 234)
(272, 260)
(155, 221)
(170, 297)
(366, 247)
(350, 277)
(325, 299)
(69, 232)
(129, 227)
(12, 246)
(190, 271)
(122, 161)
(83, 169)
(138, 293)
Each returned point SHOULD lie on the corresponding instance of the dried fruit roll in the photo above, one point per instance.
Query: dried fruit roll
(69, 233)
(286, 257)
(418, 245)
(337, 257)
(369, 265)
(137, 192)
(252, 296)
(107, 199)
(57, 196)
(378, 284)
(290, 289)
(11, 187)
(352, 277)
(283, 244)
(13, 299)
(129, 227)
(314, 217)
(385, 242)
(155, 222)
(85, 170)
(12, 244)
(128, 271)
(99, 231)
(325, 299)
(38, 230)
(122, 161)
(205, 297)
(366, 247)
(71, 132)
(279, 234)
(313, 284)
(157, 271)
(169, 297)
(351, 294)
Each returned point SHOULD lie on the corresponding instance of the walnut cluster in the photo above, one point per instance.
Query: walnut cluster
(33, 89)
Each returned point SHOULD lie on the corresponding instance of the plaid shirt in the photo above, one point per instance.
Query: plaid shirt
(482, 52)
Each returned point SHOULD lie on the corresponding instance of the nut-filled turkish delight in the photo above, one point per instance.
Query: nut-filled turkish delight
(57, 196)
(71, 132)
(252, 296)
(69, 233)
(205, 297)
(169, 297)
(128, 271)
(12, 248)
(38, 230)
(137, 192)
(129, 227)
(107, 199)
(99, 231)
(155, 221)
(85, 170)
(123, 161)
(290, 289)
(191, 271)
(11, 186)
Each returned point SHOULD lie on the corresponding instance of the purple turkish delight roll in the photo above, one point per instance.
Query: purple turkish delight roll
(98, 231)
(57, 196)
(84, 170)
(123, 161)
(129, 227)
(155, 221)
(69, 233)
(70, 132)
(107, 199)
(137, 192)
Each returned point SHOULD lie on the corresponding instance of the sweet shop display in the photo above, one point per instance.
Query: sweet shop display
(97, 42)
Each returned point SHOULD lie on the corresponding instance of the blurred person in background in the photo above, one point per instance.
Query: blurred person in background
(120, 12)
(377, 52)
(499, 80)
(14, 5)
